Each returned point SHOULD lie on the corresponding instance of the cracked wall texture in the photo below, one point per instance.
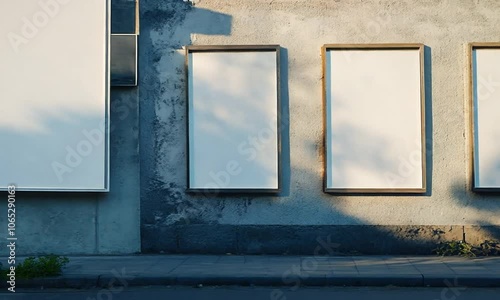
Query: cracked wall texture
(151, 133)
(178, 222)
(301, 28)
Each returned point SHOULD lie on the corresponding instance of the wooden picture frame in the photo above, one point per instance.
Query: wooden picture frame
(57, 89)
(484, 74)
(233, 119)
(351, 164)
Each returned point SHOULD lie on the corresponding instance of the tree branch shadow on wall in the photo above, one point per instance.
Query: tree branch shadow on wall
(375, 157)
(165, 30)
(175, 222)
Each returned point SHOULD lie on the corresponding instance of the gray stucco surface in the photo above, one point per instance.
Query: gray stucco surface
(148, 142)
(301, 28)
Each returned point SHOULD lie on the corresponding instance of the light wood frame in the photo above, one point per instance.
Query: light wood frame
(420, 48)
(472, 117)
(235, 48)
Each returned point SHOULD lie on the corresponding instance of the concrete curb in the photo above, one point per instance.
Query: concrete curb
(462, 281)
(73, 282)
(105, 281)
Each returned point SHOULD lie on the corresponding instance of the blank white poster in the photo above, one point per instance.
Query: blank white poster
(485, 78)
(233, 127)
(373, 120)
(54, 95)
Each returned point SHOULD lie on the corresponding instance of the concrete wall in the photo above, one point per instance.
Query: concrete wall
(177, 222)
(90, 223)
(148, 209)
(87, 223)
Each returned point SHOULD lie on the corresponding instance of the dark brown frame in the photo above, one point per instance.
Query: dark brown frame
(419, 47)
(235, 48)
(472, 119)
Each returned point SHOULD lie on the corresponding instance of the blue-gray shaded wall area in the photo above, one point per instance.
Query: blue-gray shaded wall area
(164, 32)
(87, 223)
(123, 16)
(174, 221)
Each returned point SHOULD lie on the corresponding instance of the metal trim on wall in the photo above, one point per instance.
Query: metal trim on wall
(124, 61)
(107, 117)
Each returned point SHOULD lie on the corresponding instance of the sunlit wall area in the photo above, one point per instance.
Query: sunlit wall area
(293, 218)
(153, 137)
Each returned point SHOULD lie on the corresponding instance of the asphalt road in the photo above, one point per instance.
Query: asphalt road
(256, 293)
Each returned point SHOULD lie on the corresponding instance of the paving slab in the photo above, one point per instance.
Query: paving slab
(290, 271)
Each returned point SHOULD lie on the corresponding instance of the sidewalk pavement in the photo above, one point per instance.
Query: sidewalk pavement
(284, 271)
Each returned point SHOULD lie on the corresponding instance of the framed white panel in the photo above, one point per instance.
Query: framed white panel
(485, 100)
(54, 95)
(374, 118)
(233, 119)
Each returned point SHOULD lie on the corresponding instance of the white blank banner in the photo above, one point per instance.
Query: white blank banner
(486, 104)
(233, 118)
(374, 120)
(54, 95)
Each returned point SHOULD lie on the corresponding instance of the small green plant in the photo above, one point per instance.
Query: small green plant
(462, 248)
(43, 266)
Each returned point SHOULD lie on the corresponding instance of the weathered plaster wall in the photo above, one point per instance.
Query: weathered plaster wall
(90, 223)
(147, 190)
(301, 27)
(87, 223)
